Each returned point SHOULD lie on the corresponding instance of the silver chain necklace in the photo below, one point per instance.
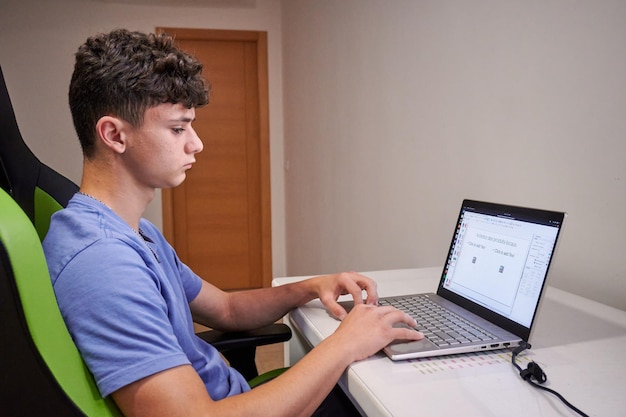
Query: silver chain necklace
(137, 232)
(97, 199)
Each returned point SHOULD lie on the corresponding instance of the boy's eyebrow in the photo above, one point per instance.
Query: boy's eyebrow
(183, 119)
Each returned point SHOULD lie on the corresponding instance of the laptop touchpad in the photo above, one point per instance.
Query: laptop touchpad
(399, 346)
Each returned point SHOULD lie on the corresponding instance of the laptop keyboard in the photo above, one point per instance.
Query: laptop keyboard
(439, 325)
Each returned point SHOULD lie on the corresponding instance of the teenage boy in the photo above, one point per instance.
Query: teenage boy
(127, 299)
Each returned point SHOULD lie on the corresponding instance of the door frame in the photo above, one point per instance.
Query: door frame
(259, 39)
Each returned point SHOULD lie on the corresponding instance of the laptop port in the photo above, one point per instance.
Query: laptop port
(495, 345)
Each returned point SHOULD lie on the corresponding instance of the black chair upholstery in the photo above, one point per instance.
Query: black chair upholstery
(24, 172)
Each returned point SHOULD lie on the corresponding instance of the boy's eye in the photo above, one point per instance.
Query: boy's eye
(178, 130)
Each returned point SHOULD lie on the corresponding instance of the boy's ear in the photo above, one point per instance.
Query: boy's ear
(111, 132)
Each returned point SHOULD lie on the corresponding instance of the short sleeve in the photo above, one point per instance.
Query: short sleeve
(118, 312)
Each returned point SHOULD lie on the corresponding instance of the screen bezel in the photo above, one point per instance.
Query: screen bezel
(544, 217)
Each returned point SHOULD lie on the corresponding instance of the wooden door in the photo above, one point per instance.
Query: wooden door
(218, 220)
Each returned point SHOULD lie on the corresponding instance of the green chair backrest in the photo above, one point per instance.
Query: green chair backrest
(45, 207)
(41, 311)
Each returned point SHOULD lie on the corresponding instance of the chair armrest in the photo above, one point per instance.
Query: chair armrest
(239, 348)
(224, 341)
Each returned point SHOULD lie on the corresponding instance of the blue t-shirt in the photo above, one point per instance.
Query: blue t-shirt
(125, 300)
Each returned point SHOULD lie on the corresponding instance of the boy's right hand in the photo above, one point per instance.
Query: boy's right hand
(368, 328)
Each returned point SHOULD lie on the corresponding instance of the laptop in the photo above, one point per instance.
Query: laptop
(491, 286)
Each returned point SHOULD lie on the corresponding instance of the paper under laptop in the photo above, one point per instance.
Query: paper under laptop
(492, 282)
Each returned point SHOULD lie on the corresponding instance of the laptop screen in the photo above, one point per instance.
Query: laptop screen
(499, 258)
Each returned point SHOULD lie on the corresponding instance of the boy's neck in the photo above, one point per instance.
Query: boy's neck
(123, 197)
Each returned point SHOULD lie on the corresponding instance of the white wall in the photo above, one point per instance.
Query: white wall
(397, 110)
(38, 39)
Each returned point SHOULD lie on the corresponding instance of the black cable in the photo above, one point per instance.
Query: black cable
(534, 371)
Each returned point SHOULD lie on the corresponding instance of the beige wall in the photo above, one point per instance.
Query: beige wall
(38, 39)
(397, 110)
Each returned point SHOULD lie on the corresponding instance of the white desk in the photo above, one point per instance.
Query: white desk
(580, 344)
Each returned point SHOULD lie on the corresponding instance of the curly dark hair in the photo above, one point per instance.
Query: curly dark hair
(123, 73)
